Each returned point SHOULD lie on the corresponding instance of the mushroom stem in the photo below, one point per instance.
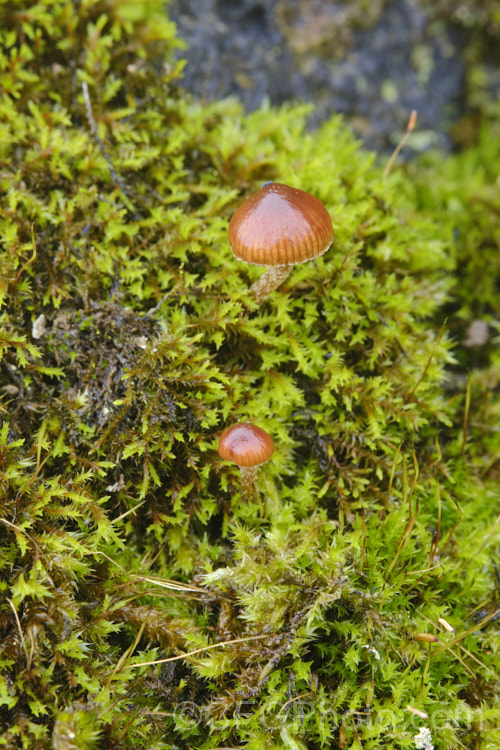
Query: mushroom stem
(249, 491)
(268, 282)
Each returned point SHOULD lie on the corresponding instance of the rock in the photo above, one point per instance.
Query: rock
(374, 63)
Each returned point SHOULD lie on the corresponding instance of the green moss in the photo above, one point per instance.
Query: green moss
(124, 538)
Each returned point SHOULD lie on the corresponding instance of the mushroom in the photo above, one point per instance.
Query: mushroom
(248, 446)
(279, 226)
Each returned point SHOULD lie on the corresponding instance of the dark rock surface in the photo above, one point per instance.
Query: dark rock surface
(373, 62)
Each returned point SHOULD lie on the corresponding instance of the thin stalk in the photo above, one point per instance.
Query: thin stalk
(409, 129)
(249, 490)
(425, 673)
(268, 282)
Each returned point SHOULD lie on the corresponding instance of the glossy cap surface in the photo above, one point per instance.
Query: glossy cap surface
(279, 226)
(246, 445)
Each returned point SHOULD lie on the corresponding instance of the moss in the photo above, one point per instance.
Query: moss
(124, 539)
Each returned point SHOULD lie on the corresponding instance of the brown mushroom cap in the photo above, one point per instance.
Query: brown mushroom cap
(246, 445)
(279, 226)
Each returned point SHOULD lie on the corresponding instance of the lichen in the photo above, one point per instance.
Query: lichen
(329, 27)
(124, 538)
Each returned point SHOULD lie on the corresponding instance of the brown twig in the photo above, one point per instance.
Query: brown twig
(412, 121)
(196, 651)
(93, 126)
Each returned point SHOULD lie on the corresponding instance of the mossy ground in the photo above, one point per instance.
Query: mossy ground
(123, 536)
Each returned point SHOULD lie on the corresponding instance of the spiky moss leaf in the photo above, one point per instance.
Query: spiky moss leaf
(371, 523)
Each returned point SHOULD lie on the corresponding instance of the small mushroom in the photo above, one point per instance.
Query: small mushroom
(279, 226)
(249, 447)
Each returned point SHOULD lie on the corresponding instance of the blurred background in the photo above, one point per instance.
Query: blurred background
(371, 60)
